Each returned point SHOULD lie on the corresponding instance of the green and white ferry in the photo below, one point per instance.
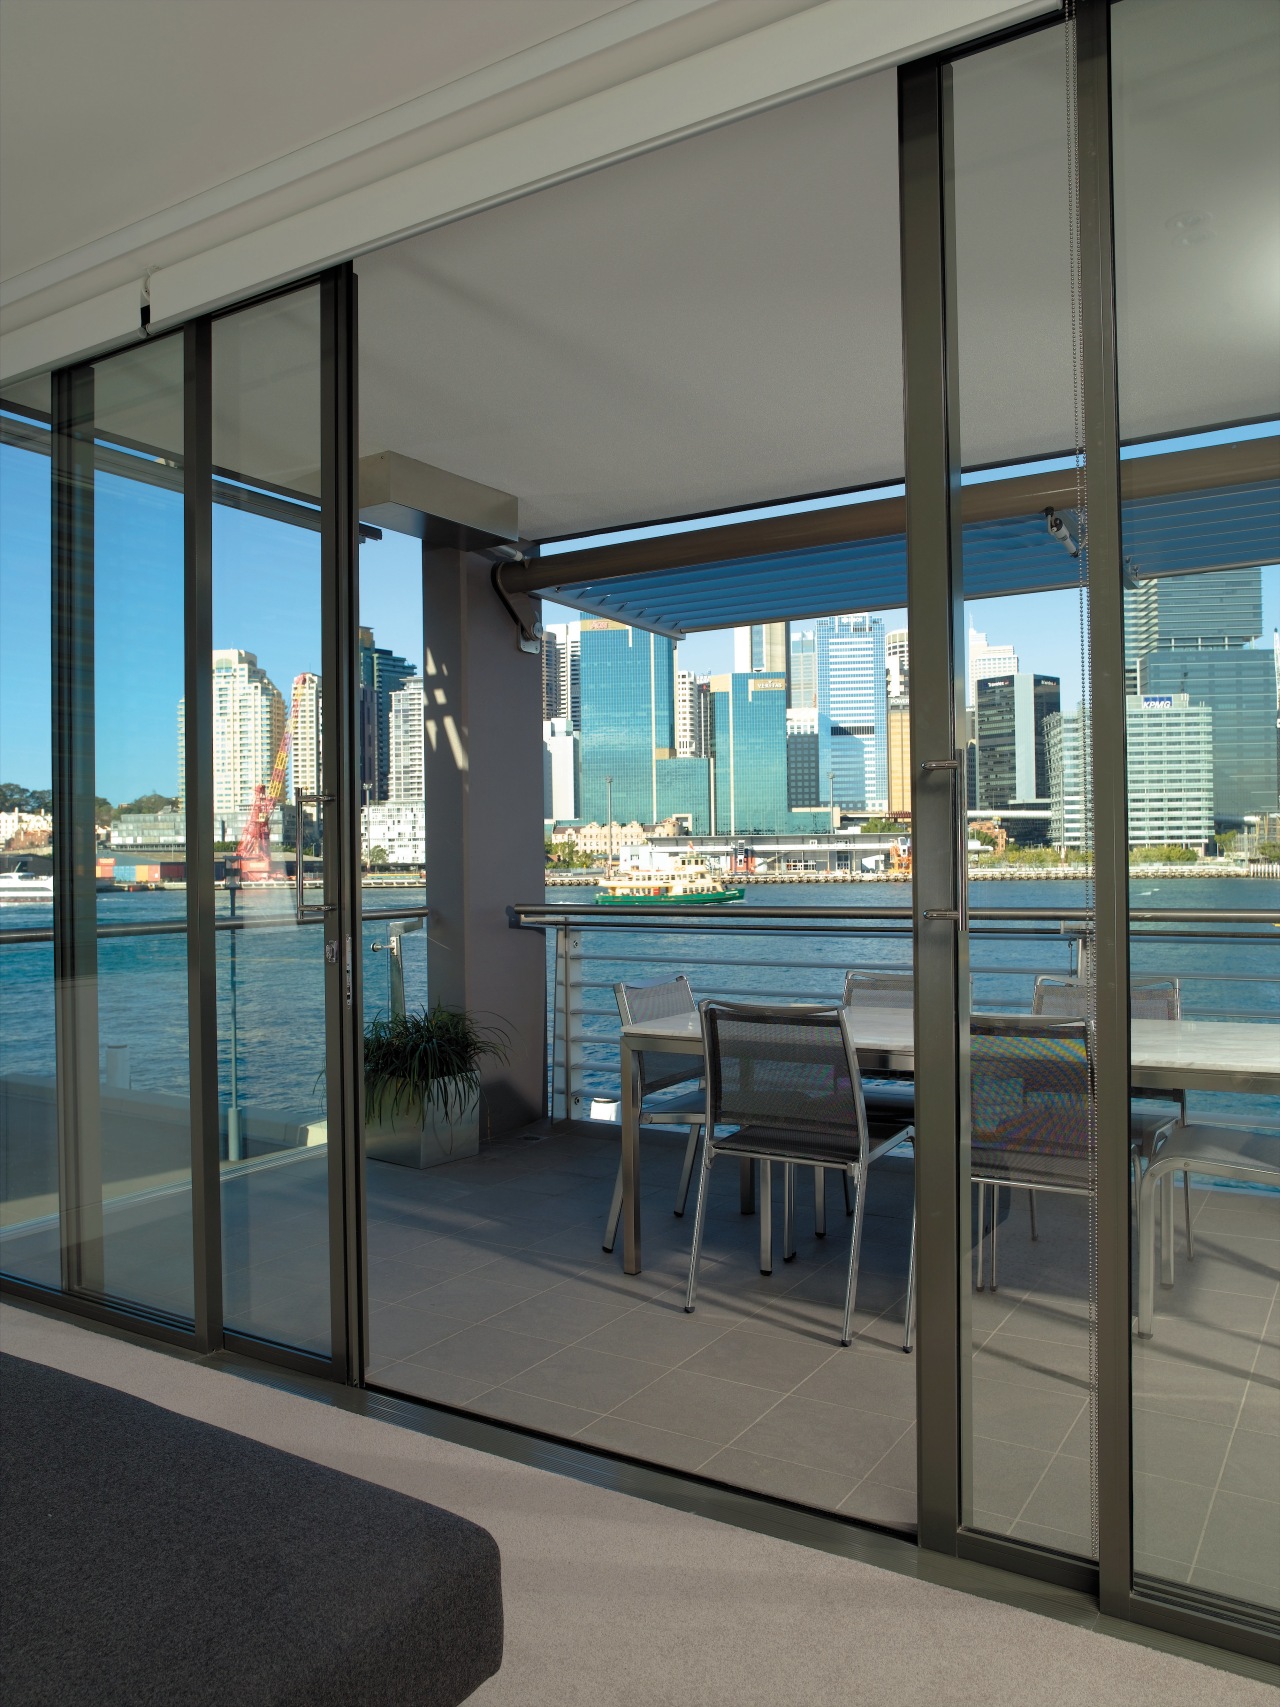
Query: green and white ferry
(686, 879)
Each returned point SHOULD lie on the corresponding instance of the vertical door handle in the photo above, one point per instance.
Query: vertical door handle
(305, 912)
(958, 765)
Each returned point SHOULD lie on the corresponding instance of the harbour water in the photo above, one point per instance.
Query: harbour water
(279, 966)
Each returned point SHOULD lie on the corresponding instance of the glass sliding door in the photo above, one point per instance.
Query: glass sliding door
(1196, 137)
(286, 972)
(1027, 1212)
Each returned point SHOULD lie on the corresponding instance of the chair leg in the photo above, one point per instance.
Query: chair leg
(995, 1216)
(747, 1186)
(1186, 1205)
(686, 1173)
(1166, 1229)
(981, 1284)
(909, 1327)
(848, 1200)
(855, 1249)
(820, 1202)
(1035, 1232)
(1151, 1183)
(615, 1213)
(789, 1212)
(699, 1218)
(766, 1217)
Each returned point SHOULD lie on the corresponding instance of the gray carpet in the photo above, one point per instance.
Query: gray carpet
(150, 1558)
(610, 1599)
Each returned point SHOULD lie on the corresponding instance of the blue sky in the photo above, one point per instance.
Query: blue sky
(266, 600)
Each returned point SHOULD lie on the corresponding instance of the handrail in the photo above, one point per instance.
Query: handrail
(529, 913)
(178, 927)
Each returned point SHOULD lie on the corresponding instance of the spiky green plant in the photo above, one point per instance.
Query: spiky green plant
(429, 1059)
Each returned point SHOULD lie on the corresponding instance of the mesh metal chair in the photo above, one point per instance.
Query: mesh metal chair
(787, 1079)
(660, 1072)
(884, 1094)
(1030, 1078)
(1149, 1117)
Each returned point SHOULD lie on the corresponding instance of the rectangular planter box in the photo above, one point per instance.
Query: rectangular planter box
(414, 1140)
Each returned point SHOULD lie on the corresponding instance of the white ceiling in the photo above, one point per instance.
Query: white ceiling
(717, 323)
(133, 79)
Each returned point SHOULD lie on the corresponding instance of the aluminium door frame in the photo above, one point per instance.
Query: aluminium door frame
(74, 932)
(935, 606)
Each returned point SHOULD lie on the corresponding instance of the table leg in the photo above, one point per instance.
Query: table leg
(630, 1159)
(747, 1186)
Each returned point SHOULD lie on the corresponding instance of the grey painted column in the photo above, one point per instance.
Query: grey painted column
(483, 774)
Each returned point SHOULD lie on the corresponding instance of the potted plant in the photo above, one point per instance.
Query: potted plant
(422, 1085)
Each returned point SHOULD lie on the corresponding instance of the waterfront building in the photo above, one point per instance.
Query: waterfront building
(1010, 719)
(852, 695)
(750, 725)
(808, 758)
(804, 670)
(248, 726)
(159, 830)
(684, 792)
(306, 751)
(405, 732)
(398, 828)
(628, 717)
(899, 744)
(1169, 747)
(897, 663)
(1195, 635)
(559, 770)
(987, 660)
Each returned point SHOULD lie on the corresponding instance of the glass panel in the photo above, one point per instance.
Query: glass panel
(393, 732)
(28, 1118)
(1028, 1226)
(1197, 134)
(139, 602)
(267, 707)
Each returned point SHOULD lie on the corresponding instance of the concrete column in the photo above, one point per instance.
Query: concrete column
(483, 764)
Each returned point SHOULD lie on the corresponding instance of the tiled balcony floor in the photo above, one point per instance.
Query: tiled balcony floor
(489, 1291)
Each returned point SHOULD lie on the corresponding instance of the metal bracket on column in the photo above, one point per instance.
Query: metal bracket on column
(529, 636)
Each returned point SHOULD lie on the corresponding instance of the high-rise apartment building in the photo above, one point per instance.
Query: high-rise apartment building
(804, 670)
(248, 727)
(750, 721)
(1010, 720)
(897, 663)
(852, 695)
(691, 715)
(1194, 635)
(406, 776)
(987, 660)
(562, 672)
(382, 673)
(1169, 759)
(628, 719)
(306, 752)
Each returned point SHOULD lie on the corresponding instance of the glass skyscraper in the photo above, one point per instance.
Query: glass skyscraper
(628, 719)
(1010, 719)
(1194, 635)
(853, 694)
(750, 729)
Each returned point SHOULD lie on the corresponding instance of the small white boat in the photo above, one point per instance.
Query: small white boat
(24, 885)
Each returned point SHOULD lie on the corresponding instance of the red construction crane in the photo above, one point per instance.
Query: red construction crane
(254, 851)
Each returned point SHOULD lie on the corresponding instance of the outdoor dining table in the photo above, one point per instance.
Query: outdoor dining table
(1166, 1055)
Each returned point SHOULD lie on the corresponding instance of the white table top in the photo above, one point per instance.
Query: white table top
(1185, 1054)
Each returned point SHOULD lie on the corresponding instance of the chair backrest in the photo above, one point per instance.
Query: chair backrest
(1030, 1078)
(640, 1002)
(880, 989)
(1067, 998)
(791, 1066)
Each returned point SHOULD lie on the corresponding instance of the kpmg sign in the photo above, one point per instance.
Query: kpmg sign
(1157, 702)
